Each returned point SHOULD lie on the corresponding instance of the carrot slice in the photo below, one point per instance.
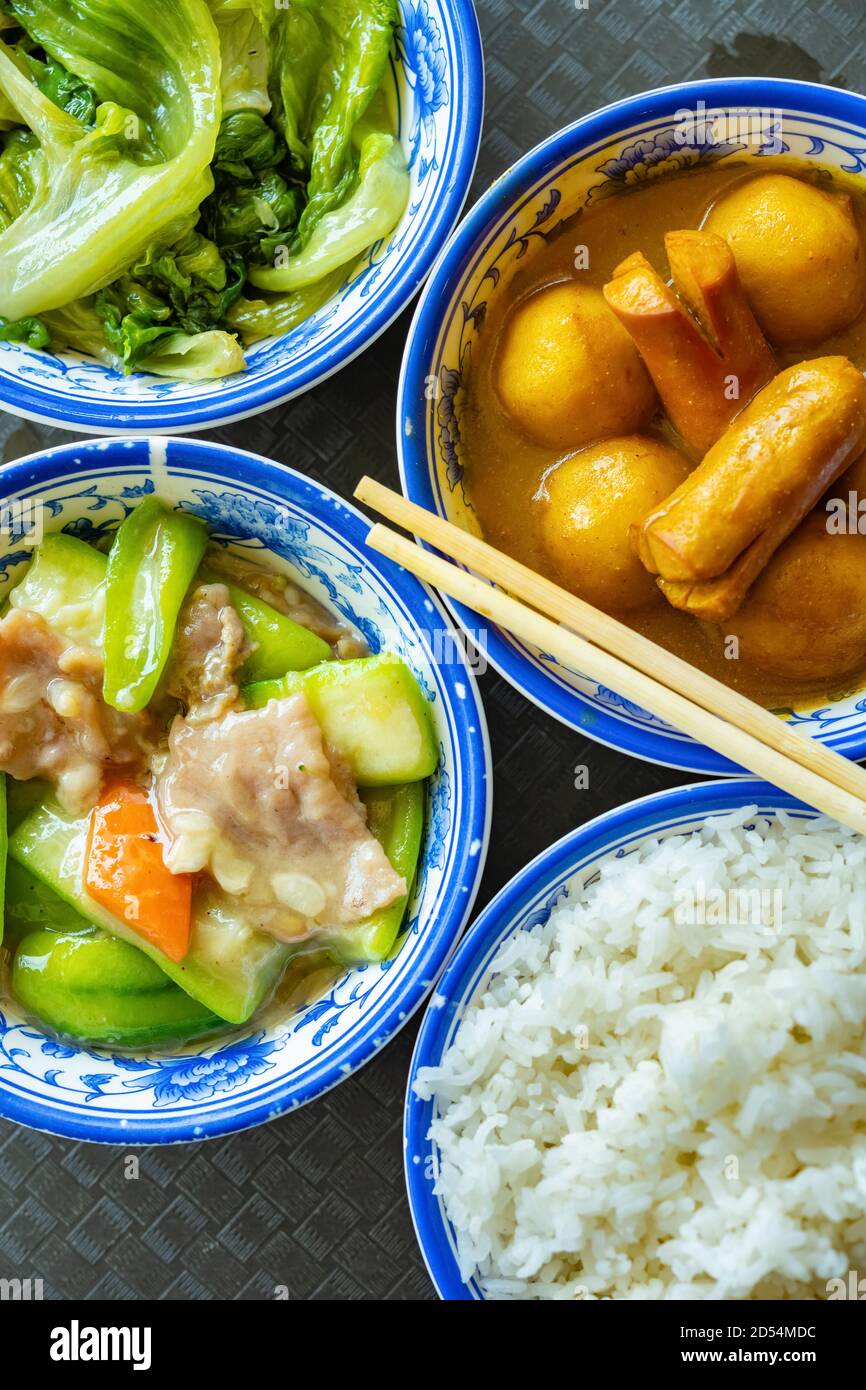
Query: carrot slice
(125, 871)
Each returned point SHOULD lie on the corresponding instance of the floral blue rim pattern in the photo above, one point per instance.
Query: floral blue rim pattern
(526, 901)
(439, 52)
(189, 1093)
(608, 719)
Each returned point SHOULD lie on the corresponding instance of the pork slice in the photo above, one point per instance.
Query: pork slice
(255, 800)
(210, 647)
(54, 722)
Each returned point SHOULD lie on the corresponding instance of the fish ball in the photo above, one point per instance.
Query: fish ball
(567, 372)
(800, 256)
(804, 618)
(593, 498)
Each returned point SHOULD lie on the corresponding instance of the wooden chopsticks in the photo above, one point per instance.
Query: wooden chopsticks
(605, 650)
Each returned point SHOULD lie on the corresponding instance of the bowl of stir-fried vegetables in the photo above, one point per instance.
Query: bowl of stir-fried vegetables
(207, 206)
(244, 791)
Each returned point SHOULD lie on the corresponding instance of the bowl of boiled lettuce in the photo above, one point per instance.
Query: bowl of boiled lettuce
(207, 206)
(244, 791)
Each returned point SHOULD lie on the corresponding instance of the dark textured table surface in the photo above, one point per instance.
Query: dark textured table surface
(315, 1201)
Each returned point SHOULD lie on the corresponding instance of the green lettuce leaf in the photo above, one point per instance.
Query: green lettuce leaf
(185, 356)
(343, 234)
(152, 59)
(328, 61)
(280, 313)
(20, 158)
(187, 288)
(252, 220)
(78, 326)
(65, 89)
(30, 331)
(199, 284)
(262, 9)
(196, 357)
(105, 195)
(244, 54)
(245, 147)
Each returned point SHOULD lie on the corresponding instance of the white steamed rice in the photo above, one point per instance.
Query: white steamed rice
(640, 1106)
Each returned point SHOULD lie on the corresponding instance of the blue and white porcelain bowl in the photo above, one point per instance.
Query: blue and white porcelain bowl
(263, 510)
(526, 901)
(437, 77)
(613, 149)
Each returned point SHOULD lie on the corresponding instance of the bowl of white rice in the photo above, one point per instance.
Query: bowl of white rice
(643, 1075)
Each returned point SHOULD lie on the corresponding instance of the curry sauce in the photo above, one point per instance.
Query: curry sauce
(507, 473)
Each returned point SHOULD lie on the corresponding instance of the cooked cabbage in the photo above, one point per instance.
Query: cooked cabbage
(101, 199)
(157, 160)
(341, 234)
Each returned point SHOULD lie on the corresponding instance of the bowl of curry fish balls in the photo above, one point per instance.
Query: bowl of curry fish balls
(648, 344)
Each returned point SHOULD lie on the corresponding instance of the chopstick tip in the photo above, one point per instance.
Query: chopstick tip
(376, 535)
